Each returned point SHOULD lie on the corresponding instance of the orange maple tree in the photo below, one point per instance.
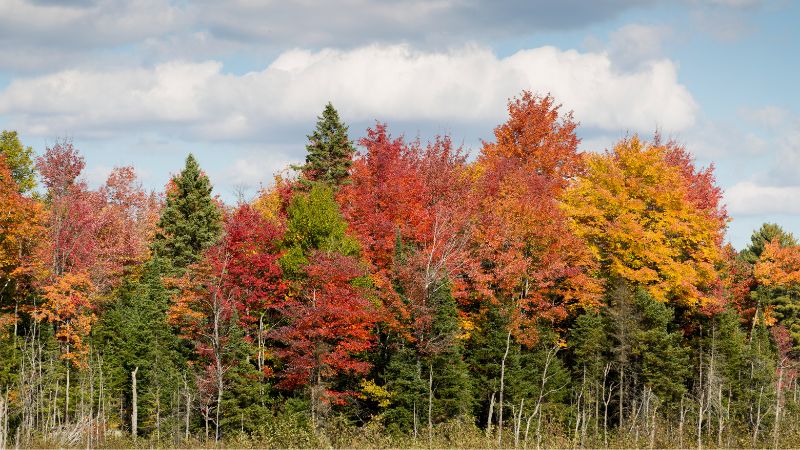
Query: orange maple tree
(641, 216)
(526, 255)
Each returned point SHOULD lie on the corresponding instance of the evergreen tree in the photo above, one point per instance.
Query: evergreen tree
(190, 221)
(135, 336)
(245, 406)
(19, 159)
(330, 151)
(664, 362)
(452, 390)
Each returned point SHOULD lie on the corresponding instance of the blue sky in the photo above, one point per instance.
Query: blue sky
(240, 83)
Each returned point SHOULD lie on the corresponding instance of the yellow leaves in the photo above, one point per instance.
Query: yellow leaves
(467, 327)
(269, 201)
(633, 208)
(379, 394)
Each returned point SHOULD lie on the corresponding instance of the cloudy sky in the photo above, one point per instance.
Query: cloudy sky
(240, 83)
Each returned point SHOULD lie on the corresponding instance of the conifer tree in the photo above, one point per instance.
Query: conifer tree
(330, 151)
(190, 221)
(136, 337)
(452, 390)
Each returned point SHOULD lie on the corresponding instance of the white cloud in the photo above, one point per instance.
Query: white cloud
(397, 82)
(748, 198)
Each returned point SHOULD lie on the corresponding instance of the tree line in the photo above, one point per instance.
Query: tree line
(394, 292)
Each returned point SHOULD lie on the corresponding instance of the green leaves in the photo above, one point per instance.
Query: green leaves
(20, 160)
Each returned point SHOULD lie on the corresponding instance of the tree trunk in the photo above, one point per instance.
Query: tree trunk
(188, 407)
(500, 403)
(430, 405)
(134, 404)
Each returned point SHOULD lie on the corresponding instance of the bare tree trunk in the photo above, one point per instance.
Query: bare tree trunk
(489, 418)
(66, 394)
(188, 407)
(757, 425)
(681, 418)
(430, 405)
(778, 405)
(134, 404)
(502, 387)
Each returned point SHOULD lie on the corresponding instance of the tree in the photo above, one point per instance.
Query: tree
(237, 282)
(768, 232)
(314, 223)
(19, 160)
(330, 151)
(528, 257)
(137, 338)
(778, 273)
(21, 231)
(634, 210)
(69, 306)
(330, 328)
(190, 221)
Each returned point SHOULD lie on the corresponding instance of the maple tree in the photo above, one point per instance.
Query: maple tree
(21, 228)
(635, 210)
(69, 306)
(528, 257)
(330, 327)
(236, 283)
(417, 195)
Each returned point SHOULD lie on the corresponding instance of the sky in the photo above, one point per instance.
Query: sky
(240, 83)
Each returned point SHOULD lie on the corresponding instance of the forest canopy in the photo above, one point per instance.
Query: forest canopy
(394, 292)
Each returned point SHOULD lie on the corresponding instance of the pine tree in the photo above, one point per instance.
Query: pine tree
(190, 221)
(330, 151)
(19, 159)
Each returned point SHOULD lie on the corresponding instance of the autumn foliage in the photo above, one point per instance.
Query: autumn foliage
(536, 286)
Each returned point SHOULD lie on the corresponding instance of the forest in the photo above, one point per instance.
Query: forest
(390, 292)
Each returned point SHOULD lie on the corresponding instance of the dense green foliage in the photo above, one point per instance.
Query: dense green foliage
(190, 221)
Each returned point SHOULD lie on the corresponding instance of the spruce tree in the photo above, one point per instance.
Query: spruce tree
(452, 390)
(190, 221)
(135, 336)
(330, 151)
(663, 362)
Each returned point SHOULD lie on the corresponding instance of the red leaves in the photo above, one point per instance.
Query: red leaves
(253, 274)
(529, 259)
(330, 326)
(240, 274)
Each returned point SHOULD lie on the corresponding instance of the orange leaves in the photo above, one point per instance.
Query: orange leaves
(779, 266)
(528, 258)
(642, 216)
(21, 232)
(68, 305)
